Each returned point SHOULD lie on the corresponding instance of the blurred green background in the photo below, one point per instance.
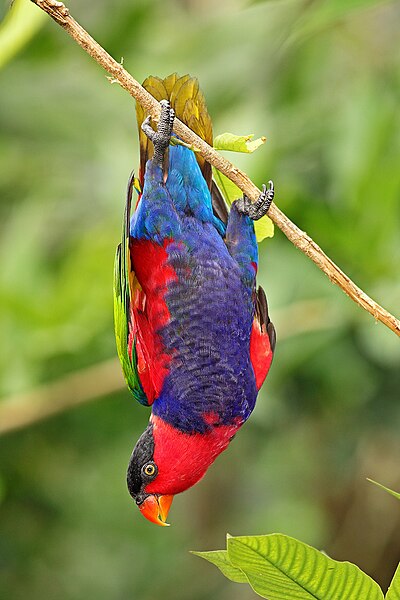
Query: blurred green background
(321, 79)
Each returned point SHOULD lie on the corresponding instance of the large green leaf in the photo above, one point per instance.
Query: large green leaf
(393, 592)
(238, 143)
(220, 559)
(279, 567)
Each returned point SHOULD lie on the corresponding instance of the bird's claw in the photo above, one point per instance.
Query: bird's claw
(259, 208)
(162, 136)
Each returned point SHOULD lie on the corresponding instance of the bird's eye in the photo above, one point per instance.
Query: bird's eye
(149, 469)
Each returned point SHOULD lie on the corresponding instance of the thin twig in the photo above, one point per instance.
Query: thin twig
(59, 12)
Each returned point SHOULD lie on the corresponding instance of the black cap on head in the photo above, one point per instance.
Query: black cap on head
(142, 454)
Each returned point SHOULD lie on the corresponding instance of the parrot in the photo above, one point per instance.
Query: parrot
(193, 331)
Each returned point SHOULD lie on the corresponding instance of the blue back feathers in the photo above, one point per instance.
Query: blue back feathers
(210, 302)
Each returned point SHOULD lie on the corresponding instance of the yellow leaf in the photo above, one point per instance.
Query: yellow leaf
(264, 227)
(238, 143)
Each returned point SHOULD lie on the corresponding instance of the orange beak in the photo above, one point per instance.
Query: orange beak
(156, 508)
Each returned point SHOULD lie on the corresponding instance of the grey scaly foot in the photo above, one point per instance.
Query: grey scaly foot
(162, 136)
(259, 208)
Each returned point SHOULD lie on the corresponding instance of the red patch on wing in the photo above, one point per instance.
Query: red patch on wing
(260, 352)
(183, 458)
(150, 313)
(211, 418)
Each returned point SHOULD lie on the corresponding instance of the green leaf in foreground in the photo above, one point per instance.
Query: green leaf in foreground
(238, 143)
(264, 227)
(395, 494)
(279, 567)
(220, 559)
(230, 191)
(393, 592)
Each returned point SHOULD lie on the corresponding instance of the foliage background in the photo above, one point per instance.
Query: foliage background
(321, 80)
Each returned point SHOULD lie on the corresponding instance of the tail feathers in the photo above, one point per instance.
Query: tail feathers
(262, 339)
(189, 104)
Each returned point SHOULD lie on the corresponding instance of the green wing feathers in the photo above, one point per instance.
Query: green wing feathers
(123, 276)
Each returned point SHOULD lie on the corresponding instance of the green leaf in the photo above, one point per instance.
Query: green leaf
(21, 23)
(393, 592)
(264, 227)
(279, 567)
(220, 559)
(230, 191)
(174, 141)
(238, 143)
(395, 494)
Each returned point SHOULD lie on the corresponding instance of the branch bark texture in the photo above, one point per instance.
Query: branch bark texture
(60, 13)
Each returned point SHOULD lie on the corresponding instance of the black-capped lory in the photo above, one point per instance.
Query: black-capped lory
(193, 332)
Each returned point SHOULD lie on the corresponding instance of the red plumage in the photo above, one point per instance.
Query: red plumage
(150, 313)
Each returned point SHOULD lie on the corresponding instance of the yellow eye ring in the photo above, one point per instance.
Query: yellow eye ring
(149, 469)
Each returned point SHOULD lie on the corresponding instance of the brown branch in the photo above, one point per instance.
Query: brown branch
(300, 239)
(72, 390)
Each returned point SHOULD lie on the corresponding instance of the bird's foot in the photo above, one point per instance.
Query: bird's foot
(259, 208)
(162, 136)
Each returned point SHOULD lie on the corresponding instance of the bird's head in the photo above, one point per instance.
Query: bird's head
(167, 461)
(142, 472)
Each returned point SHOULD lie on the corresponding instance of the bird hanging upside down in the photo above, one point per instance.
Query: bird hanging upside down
(193, 333)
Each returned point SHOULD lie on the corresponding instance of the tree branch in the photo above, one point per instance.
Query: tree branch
(60, 14)
(74, 389)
